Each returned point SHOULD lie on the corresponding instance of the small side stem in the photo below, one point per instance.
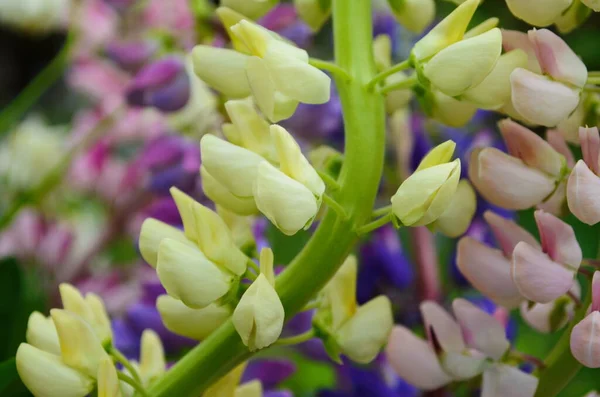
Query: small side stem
(376, 224)
(311, 305)
(527, 358)
(329, 181)
(591, 88)
(593, 79)
(133, 383)
(253, 266)
(120, 358)
(574, 298)
(295, 340)
(382, 211)
(331, 68)
(334, 205)
(388, 72)
(401, 85)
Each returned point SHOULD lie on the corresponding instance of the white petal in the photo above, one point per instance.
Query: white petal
(506, 381)
(222, 69)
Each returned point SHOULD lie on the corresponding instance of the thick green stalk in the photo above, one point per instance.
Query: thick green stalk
(319, 260)
(561, 366)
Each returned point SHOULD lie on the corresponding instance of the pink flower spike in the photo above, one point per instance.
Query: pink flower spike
(590, 147)
(440, 325)
(483, 332)
(506, 381)
(414, 360)
(557, 59)
(531, 148)
(585, 340)
(596, 291)
(583, 190)
(537, 277)
(506, 181)
(558, 142)
(488, 271)
(558, 240)
(507, 233)
(513, 39)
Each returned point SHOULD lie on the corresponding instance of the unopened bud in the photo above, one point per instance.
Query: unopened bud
(313, 12)
(538, 12)
(458, 216)
(414, 15)
(252, 9)
(585, 340)
(41, 333)
(583, 190)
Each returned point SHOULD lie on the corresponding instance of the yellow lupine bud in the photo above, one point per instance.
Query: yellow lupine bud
(364, 335)
(80, 347)
(450, 30)
(258, 317)
(225, 387)
(193, 323)
(287, 203)
(240, 227)
(211, 234)
(451, 111)
(253, 9)
(249, 389)
(440, 154)
(252, 129)
(220, 195)
(46, 375)
(538, 12)
(313, 12)
(382, 51)
(188, 275)
(483, 27)
(152, 357)
(414, 15)
(108, 381)
(152, 233)
(338, 297)
(458, 216)
(426, 194)
(255, 37)
(231, 18)
(494, 91)
(293, 163)
(397, 99)
(41, 333)
(237, 176)
(222, 69)
(465, 64)
(91, 310)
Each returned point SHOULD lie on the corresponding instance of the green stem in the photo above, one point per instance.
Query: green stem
(133, 383)
(296, 340)
(591, 88)
(119, 357)
(253, 266)
(330, 67)
(311, 305)
(55, 176)
(561, 366)
(381, 211)
(401, 85)
(364, 120)
(376, 224)
(329, 180)
(36, 88)
(593, 80)
(334, 205)
(388, 72)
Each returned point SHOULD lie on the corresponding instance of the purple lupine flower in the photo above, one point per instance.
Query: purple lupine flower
(283, 19)
(270, 372)
(299, 324)
(317, 121)
(165, 210)
(131, 55)
(383, 263)
(163, 84)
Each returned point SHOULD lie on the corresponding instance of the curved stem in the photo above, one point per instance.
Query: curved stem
(334, 205)
(382, 211)
(297, 339)
(388, 72)
(36, 88)
(133, 383)
(120, 358)
(330, 67)
(561, 366)
(376, 224)
(364, 120)
(329, 180)
(409, 82)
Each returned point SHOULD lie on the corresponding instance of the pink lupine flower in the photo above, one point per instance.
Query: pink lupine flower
(97, 78)
(175, 17)
(96, 23)
(544, 275)
(550, 317)
(585, 337)
(457, 350)
(583, 188)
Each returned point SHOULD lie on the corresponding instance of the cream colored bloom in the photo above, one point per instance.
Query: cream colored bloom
(41, 333)
(313, 12)
(34, 16)
(458, 216)
(152, 233)
(258, 317)
(414, 15)
(220, 195)
(108, 381)
(426, 194)
(538, 12)
(91, 309)
(152, 357)
(251, 8)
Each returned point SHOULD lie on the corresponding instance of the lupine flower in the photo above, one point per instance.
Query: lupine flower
(455, 220)
(414, 15)
(550, 317)
(228, 385)
(314, 12)
(131, 55)
(538, 12)
(470, 346)
(585, 340)
(163, 84)
(344, 322)
(382, 49)
(35, 17)
(252, 9)
(426, 194)
(584, 181)
(593, 4)
(108, 380)
(559, 88)
(531, 162)
(96, 24)
(258, 317)
(175, 17)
